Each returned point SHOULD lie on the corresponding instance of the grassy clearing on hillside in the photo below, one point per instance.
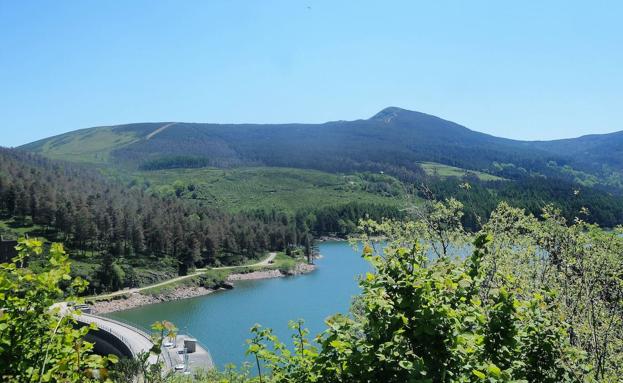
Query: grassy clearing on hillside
(262, 187)
(86, 146)
(284, 262)
(10, 228)
(440, 170)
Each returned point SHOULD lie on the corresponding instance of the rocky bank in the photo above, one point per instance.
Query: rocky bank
(136, 299)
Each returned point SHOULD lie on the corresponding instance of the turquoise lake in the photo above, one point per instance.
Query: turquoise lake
(221, 321)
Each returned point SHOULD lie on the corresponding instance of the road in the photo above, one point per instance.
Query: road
(265, 262)
(136, 340)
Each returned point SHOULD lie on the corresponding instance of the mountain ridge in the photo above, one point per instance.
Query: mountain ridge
(393, 140)
(378, 116)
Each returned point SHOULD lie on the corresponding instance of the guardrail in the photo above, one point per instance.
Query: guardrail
(168, 360)
(169, 364)
(125, 323)
(141, 329)
(86, 318)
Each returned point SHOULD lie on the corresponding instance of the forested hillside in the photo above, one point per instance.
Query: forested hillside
(532, 194)
(134, 235)
(382, 161)
(394, 141)
(595, 151)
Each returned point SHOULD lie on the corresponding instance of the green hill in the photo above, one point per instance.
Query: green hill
(394, 141)
(296, 166)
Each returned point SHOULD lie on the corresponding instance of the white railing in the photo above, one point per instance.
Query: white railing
(140, 329)
(86, 318)
(169, 363)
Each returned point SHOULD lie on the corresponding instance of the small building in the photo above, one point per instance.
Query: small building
(190, 345)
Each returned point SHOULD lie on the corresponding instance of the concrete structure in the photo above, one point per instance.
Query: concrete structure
(190, 345)
(200, 358)
(128, 340)
(122, 339)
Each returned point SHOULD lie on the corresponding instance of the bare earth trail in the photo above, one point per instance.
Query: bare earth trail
(265, 262)
(160, 129)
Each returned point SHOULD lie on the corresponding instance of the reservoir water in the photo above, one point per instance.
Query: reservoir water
(221, 321)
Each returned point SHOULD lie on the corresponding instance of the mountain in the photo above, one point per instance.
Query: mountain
(321, 170)
(394, 140)
(594, 151)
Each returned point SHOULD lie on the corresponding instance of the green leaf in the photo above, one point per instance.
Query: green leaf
(479, 374)
(494, 370)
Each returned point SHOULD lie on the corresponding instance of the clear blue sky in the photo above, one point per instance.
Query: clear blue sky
(530, 70)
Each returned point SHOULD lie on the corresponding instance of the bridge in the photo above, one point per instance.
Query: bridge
(126, 340)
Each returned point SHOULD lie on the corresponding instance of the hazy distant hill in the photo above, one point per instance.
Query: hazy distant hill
(394, 140)
(595, 150)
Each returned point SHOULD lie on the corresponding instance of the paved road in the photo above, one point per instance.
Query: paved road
(267, 261)
(138, 341)
(135, 339)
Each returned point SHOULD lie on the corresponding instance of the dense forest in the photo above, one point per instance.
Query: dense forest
(393, 140)
(529, 193)
(121, 226)
(175, 163)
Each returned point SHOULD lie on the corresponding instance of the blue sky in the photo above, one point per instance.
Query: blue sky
(526, 70)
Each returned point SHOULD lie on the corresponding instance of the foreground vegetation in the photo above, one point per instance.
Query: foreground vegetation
(536, 301)
(39, 342)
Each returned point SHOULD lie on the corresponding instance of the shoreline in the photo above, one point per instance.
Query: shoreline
(136, 299)
(330, 238)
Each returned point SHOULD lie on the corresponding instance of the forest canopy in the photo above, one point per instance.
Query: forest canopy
(102, 222)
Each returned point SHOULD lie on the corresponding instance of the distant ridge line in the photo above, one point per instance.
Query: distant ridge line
(160, 129)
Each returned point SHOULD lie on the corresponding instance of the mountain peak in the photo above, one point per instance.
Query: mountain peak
(388, 114)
